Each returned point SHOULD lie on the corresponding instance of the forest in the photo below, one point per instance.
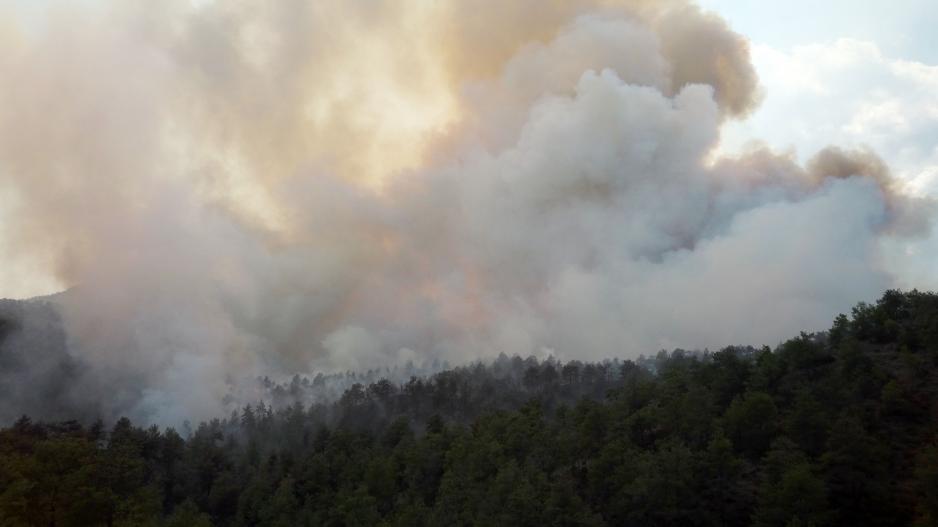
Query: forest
(830, 428)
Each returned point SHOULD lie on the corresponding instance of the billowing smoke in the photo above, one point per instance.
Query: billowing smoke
(233, 189)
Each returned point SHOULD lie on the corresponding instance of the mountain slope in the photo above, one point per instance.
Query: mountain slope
(836, 428)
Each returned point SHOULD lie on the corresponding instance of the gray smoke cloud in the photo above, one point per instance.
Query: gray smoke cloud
(233, 189)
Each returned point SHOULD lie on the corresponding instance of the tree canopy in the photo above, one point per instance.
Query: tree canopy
(834, 428)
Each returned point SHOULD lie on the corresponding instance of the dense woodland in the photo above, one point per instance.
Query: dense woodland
(836, 428)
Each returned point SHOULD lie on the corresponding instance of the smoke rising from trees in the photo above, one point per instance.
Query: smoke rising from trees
(231, 189)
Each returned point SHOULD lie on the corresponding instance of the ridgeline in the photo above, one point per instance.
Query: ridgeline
(835, 428)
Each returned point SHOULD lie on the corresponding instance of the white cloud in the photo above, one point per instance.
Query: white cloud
(848, 93)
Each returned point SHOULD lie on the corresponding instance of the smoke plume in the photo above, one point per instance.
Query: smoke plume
(233, 189)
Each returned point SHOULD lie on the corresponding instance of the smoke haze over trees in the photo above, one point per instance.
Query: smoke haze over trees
(833, 428)
(229, 190)
(374, 262)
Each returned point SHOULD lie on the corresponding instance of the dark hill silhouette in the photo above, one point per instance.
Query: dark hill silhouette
(835, 428)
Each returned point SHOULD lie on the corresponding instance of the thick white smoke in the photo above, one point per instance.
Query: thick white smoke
(237, 189)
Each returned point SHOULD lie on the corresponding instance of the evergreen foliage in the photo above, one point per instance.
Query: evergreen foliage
(837, 428)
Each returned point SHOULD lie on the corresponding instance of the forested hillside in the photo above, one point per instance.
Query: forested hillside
(837, 428)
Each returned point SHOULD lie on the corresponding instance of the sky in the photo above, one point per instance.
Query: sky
(234, 189)
(867, 79)
(852, 72)
(902, 28)
(861, 73)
